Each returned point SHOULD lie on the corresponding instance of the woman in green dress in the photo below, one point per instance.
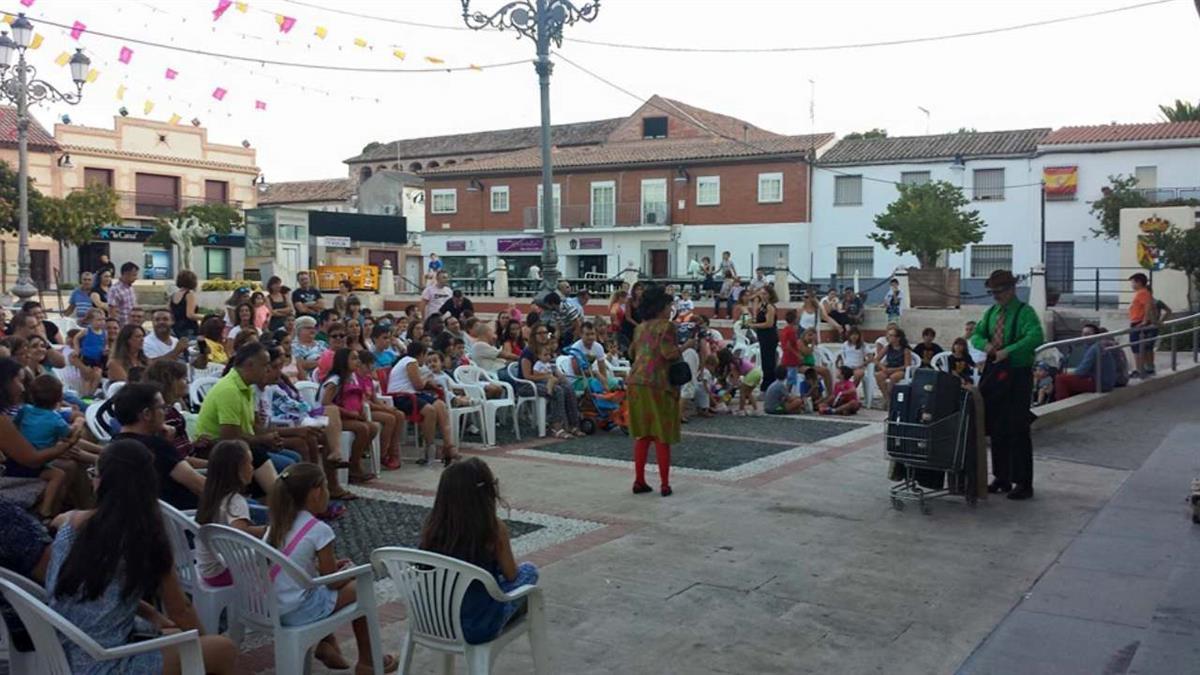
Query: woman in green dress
(653, 401)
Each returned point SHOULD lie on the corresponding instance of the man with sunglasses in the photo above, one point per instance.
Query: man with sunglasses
(1009, 332)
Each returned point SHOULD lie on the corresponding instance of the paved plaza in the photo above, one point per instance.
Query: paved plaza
(779, 552)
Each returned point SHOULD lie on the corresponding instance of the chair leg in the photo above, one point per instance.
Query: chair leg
(289, 658)
(479, 660)
(406, 653)
(447, 664)
(516, 420)
(208, 610)
(537, 634)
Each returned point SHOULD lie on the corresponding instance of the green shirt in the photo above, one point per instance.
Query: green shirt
(230, 401)
(1022, 334)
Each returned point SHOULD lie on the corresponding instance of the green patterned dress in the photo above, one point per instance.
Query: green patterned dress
(653, 402)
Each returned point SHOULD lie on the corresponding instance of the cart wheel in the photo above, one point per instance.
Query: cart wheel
(587, 426)
(897, 503)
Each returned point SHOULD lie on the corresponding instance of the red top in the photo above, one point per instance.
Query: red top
(789, 342)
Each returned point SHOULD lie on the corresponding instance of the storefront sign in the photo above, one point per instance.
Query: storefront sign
(236, 240)
(456, 245)
(124, 234)
(334, 242)
(519, 245)
(590, 243)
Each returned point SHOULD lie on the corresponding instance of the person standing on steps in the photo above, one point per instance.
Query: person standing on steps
(1009, 332)
(653, 402)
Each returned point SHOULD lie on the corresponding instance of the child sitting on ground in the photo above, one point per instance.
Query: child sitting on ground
(1045, 383)
(49, 433)
(812, 390)
(778, 400)
(844, 399)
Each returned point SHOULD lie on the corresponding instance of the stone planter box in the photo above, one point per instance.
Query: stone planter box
(936, 288)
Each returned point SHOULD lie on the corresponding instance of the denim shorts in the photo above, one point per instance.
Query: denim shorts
(1144, 333)
(317, 604)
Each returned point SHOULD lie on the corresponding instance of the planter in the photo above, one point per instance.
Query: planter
(934, 288)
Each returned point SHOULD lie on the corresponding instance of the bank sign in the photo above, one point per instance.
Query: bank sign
(523, 245)
(135, 234)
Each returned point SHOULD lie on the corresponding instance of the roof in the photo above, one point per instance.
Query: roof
(724, 125)
(942, 146)
(1116, 133)
(39, 138)
(398, 177)
(304, 191)
(658, 151)
(482, 142)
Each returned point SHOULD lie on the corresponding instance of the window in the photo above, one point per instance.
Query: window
(156, 195)
(987, 258)
(216, 263)
(914, 177)
(465, 266)
(770, 188)
(847, 190)
(708, 190)
(500, 199)
(1147, 177)
(443, 201)
(654, 201)
(855, 259)
(156, 263)
(654, 127)
(557, 206)
(216, 192)
(604, 204)
(989, 184)
(97, 177)
(772, 257)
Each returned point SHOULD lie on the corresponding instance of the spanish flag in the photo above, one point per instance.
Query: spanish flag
(1061, 181)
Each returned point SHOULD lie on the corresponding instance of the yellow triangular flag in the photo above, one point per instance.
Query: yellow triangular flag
(147, 107)
(475, 67)
(434, 59)
(92, 75)
(360, 42)
(242, 6)
(121, 93)
(62, 58)
(321, 32)
(9, 18)
(37, 41)
(399, 53)
(174, 119)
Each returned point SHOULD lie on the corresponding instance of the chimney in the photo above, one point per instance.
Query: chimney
(745, 133)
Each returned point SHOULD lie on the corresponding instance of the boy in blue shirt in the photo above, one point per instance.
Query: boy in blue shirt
(47, 430)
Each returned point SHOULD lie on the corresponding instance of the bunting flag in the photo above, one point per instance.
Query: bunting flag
(27, 3)
(434, 59)
(174, 119)
(241, 6)
(171, 74)
(399, 53)
(126, 55)
(121, 93)
(147, 107)
(219, 93)
(260, 105)
(475, 67)
(92, 75)
(222, 5)
(285, 23)
(77, 29)
(62, 58)
(321, 32)
(37, 41)
(9, 18)
(360, 42)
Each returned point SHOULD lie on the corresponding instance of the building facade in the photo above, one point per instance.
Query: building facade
(45, 254)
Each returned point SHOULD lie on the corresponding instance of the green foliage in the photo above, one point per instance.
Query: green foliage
(229, 285)
(71, 220)
(873, 133)
(1181, 111)
(1121, 193)
(927, 219)
(967, 130)
(1181, 251)
(219, 216)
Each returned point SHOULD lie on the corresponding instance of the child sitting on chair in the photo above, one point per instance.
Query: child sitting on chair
(438, 374)
(88, 350)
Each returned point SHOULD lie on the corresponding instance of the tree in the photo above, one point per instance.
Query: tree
(1121, 193)
(70, 220)
(927, 219)
(861, 135)
(1181, 111)
(193, 224)
(1181, 251)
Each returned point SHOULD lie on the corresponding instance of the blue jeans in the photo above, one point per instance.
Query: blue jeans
(793, 379)
(282, 459)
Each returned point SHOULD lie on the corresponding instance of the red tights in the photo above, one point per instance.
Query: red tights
(662, 455)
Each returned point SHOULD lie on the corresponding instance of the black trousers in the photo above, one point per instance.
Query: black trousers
(768, 343)
(1008, 428)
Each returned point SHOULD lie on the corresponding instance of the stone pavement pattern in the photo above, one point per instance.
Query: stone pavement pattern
(804, 567)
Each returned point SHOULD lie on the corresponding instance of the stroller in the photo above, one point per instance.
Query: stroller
(598, 409)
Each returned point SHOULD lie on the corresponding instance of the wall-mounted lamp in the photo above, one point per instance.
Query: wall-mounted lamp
(681, 175)
(64, 162)
(246, 144)
(475, 185)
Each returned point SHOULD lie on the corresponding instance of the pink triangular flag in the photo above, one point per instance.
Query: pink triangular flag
(77, 29)
(219, 93)
(171, 73)
(285, 23)
(260, 105)
(126, 55)
(27, 3)
(222, 5)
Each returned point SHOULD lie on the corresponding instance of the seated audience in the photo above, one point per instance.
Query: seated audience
(1083, 378)
(127, 354)
(413, 393)
(926, 349)
(140, 409)
(230, 470)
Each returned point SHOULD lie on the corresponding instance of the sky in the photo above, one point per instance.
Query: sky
(1113, 68)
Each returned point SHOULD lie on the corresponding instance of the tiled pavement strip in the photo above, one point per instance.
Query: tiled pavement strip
(796, 564)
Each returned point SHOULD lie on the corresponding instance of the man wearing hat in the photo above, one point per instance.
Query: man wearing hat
(1009, 332)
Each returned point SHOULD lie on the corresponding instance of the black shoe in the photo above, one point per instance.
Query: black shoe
(641, 488)
(998, 486)
(1021, 493)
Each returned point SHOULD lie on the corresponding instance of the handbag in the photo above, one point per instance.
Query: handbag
(679, 373)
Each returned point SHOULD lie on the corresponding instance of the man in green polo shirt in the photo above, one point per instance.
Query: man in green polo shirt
(1010, 331)
(228, 410)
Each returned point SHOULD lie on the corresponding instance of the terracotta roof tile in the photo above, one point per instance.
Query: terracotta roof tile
(39, 138)
(503, 140)
(307, 191)
(1112, 133)
(942, 146)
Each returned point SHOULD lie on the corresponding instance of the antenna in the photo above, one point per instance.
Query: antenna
(926, 111)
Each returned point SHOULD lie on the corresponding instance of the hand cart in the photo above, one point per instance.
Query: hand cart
(924, 449)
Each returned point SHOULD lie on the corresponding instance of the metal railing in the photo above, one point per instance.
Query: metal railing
(1188, 325)
(1160, 195)
(1107, 286)
(584, 216)
(154, 205)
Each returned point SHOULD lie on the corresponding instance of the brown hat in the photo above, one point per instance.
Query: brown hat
(1000, 279)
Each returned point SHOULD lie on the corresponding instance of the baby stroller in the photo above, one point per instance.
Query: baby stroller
(598, 409)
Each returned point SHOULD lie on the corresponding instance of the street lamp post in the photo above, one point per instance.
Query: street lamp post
(541, 21)
(21, 85)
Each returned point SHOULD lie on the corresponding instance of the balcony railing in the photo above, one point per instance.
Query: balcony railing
(140, 205)
(1160, 195)
(650, 214)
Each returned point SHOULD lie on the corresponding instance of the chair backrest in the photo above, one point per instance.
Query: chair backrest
(432, 586)
(308, 391)
(7, 649)
(514, 371)
(941, 361)
(199, 388)
(826, 357)
(113, 388)
(249, 560)
(182, 531)
(43, 625)
(98, 417)
(468, 374)
(566, 365)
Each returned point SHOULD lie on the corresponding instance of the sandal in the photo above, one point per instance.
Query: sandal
(336, 463)
(562, 433)
(390, 665)
(391, 463)
(344, 496)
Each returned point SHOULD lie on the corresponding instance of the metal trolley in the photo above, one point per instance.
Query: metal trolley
(929, 449)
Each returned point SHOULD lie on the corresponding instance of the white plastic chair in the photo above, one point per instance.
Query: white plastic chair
(433, 586)
(208, 600)
(941, 361)
(491, 406)
(537, 402)
(112, 388)
(458, 415)
(45, 625)
(308, 391)
(19, 662)
(250, 562)
(97, 417)
(618, 366)
(826, 357)
(199, 388)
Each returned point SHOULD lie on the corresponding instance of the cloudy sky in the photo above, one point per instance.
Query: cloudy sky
(1116, 67)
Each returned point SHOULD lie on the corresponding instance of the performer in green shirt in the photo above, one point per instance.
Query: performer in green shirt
(1009, 332)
